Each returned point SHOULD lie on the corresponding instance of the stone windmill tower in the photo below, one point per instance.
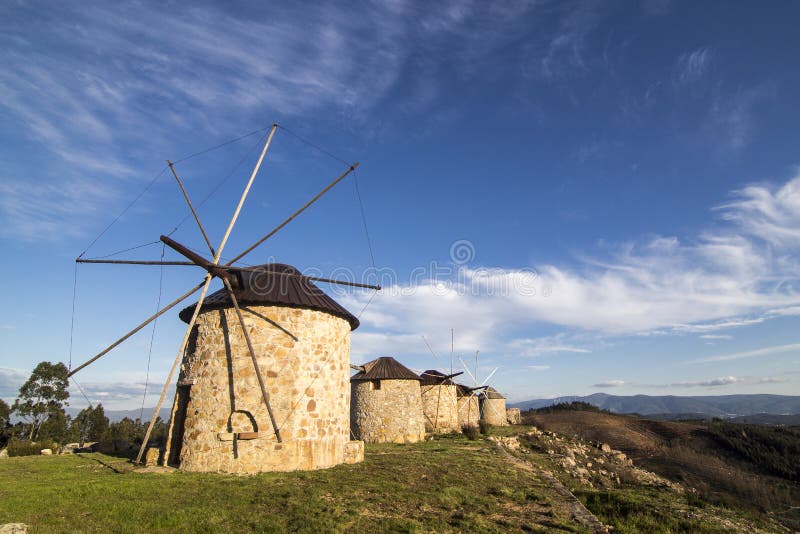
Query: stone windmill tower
(440, 402)
(264, 377)
(386, 404)
(302, 338)
(493, 407)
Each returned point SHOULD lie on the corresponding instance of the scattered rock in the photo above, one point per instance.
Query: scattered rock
(13, 528)
(4, 453)
(70, 448)
(568, 462)
(46, 452)
(605, 447)
(152, 456)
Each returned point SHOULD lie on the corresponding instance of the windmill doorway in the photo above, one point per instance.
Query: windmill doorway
(178, 423)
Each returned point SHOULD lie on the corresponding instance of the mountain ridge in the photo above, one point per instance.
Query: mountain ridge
(725, 406)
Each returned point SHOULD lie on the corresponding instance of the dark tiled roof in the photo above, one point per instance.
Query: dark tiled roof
(431, 377)
(385, 368)
(265, 285)
(463, 391)
(491, 393)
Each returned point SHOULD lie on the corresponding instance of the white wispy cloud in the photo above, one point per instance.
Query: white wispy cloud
(716, 336)
(101, 92)
(714, 382)
(11, 380)
(692, 66)
(772, 380)
(543, 346)
(609, 384)
(766, 351)
(734, 276)
(731, 122)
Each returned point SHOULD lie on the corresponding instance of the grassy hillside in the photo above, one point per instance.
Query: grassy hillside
(742, 466)
(449, 484)
(446, 485)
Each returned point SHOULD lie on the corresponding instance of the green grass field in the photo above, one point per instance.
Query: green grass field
(450, 484)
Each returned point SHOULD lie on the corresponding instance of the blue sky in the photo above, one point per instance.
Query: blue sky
(622, 178)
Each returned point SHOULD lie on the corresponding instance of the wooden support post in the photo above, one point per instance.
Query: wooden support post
(264, 392)
(175, 363)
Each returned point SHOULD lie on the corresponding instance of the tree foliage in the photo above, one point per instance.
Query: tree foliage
(42, 395)
(5, 425)
(91, 424)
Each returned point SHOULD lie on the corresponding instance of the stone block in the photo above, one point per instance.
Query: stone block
(151, 456)
(353, 452)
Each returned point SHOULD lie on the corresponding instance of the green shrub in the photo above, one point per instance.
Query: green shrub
(484, 427)
(772, 449)
(18, 447)
(471, 431)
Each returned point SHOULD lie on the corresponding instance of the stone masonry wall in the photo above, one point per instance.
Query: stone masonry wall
(493, 411)
(392, 413)
(307, 379)
(468, 411)
(440, 407)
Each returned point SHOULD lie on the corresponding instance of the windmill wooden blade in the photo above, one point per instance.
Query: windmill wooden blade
(490, 375)
(464, 365)
(136, 262)
(431, 349)
(264, 392)
(141, 325)
(193, 256)
(244, 196)
(191, 207)
(292, 216)
(228, 268)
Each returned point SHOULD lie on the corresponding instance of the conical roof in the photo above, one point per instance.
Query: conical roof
(432, 377)
(491, 393)
(384, 368)
(275, 284)
(463, 391)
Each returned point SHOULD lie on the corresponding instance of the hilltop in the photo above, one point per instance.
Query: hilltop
(554, 478)
(736, 465)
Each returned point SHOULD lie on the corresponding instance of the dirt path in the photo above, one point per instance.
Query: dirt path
(579, 512)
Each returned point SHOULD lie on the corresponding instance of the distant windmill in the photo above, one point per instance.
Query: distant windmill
(275, 289)
(440, 394)
(491, 402)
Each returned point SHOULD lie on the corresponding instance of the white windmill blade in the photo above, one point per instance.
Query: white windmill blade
(464, 365)
(485, 380)
(431, 349)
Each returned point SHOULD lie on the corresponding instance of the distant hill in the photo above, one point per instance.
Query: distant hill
(725, 406)
(118, 415)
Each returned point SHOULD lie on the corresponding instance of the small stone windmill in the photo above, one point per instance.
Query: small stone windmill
(491, 403)
(264, 383)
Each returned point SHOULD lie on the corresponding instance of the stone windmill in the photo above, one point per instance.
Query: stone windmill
(441, 396)
(491, 404)
(386, 404)
(264, 380)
